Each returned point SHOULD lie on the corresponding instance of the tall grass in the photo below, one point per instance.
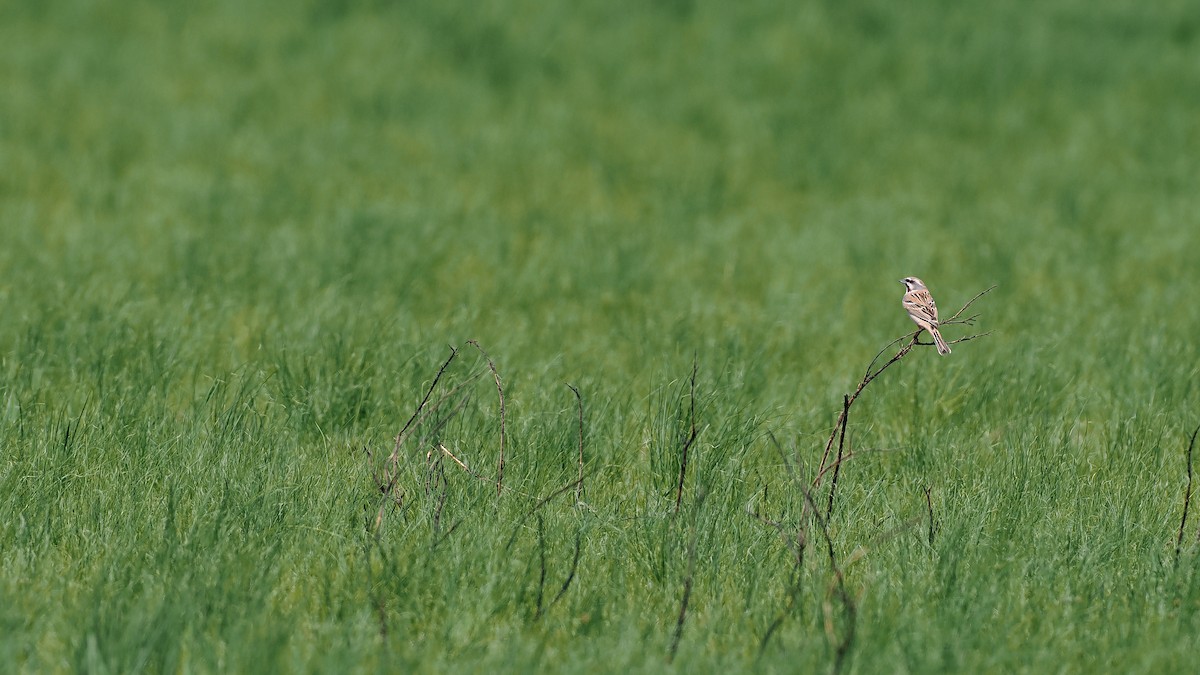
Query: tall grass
(238, 240)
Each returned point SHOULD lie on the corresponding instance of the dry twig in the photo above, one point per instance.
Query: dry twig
(688, 581)
(838, 586)
(500, 391)
(579, 488)
(929, 505)
(687, 443)
(796, 542)
(873, 372)
(570, 575)
(1187, 496)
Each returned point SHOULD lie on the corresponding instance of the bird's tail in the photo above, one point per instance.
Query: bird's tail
(942, 347)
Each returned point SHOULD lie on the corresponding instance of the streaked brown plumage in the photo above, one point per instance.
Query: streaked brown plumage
(923, 310)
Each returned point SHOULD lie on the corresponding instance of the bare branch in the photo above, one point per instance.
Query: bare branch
(428, 393)
(873, 372)
(954, 319)
(968, 338)
(885, 348)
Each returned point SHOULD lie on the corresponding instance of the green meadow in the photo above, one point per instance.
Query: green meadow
(245, 246)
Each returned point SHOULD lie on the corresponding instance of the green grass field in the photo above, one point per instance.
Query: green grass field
(238, 240)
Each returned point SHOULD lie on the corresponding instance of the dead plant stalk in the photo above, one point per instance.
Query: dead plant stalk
(839, 429)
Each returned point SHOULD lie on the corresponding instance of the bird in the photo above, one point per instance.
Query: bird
(923, 310)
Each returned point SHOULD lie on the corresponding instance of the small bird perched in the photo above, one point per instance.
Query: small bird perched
(923, 310)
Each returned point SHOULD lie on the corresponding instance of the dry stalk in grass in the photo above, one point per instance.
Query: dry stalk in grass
(541, 533)
(872, 372)
(837, 464)
(388, 478)
(579, 488)
(1187, 497)
(797, 543)
(578, 485)
(838, 586)
(445, 451)
(687, 442)
(932, 523)
(424, 426)
(500, 391)
(537, 507)
(810, 514)
(539, 604)
(421, 406)
(571, 574)
(688, 580)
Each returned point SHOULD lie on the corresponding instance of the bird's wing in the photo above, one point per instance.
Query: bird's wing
(920, 304)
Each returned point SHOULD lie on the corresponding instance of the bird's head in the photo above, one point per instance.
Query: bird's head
(912, 283)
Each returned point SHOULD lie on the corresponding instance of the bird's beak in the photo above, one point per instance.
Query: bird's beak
(901, 281)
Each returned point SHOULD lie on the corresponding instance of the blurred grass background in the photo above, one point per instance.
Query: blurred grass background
(235, 239)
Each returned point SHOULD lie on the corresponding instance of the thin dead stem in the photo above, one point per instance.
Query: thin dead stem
(570, 575)
(837, 465)
(537, 507)
(1187, 496)
(954, 319)
(932, 521)
(433, 385)
(796, 542)
(387, 479)
(691, 438)
(838, 586)
(873, 371)
(688, 581)
(579, 488)
(811, 515)
(426, 424)
(474, 474)
(541, 532)
(503, 433)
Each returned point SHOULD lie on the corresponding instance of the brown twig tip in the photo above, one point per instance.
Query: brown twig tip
(968, 338)
(954, 319)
